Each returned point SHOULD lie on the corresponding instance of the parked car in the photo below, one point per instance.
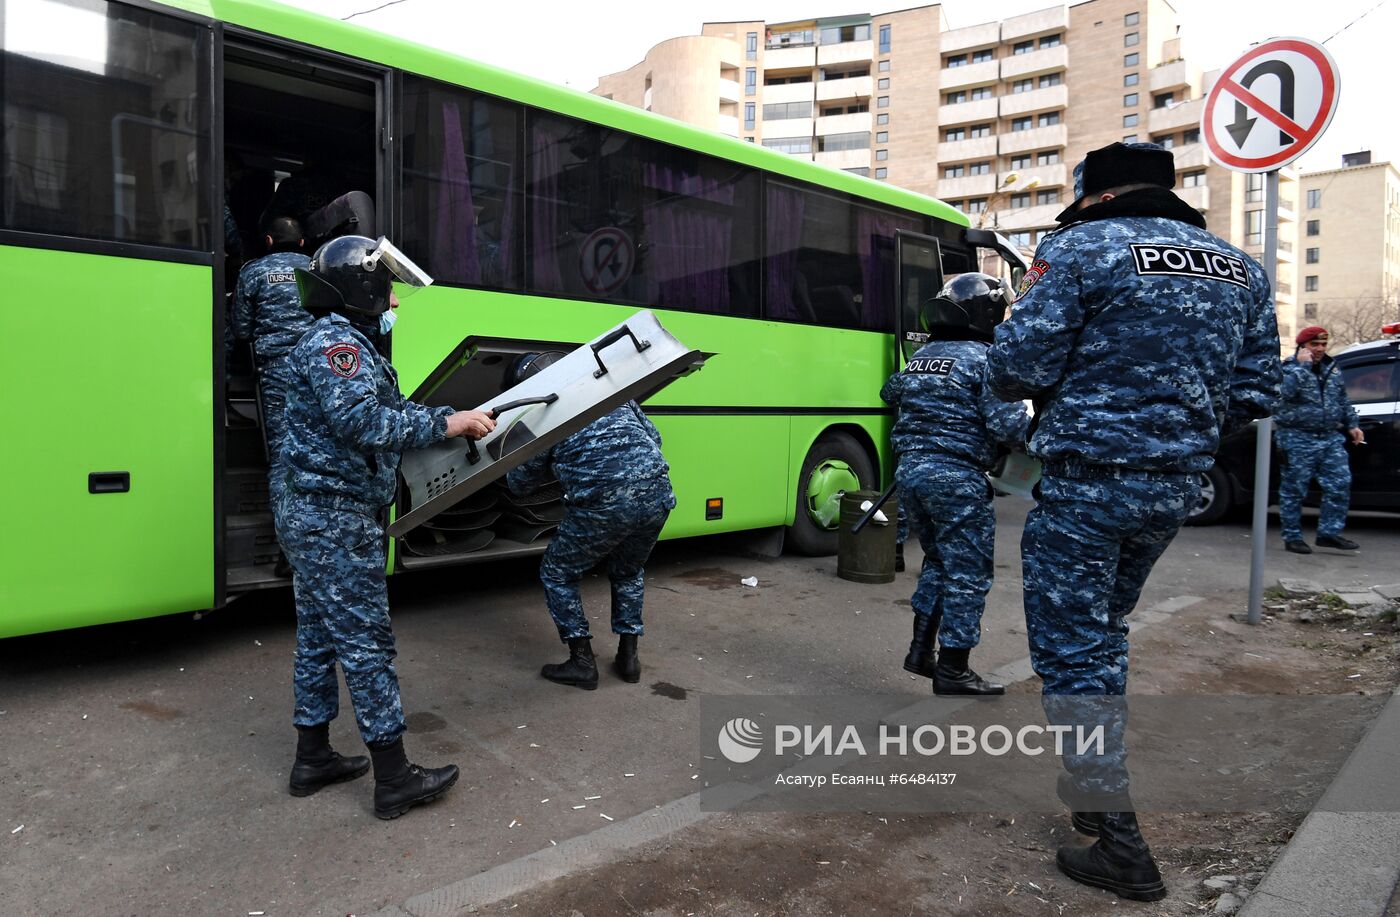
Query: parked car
(1372, 375)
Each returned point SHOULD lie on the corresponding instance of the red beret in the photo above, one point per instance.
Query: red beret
(1308, 333)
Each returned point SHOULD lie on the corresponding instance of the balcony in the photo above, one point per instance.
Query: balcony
(974, 36)
(1176, 75)
(1037, 138)
(852, 87)
(1190, 156)
(845, 52)
(788, 92)
(1041, 22)
(785, 58)
(1035, 62)
(1051, 98)
(730, 91)
(967, 186)
(983, 74)
(844, 124)
(1005, 218)
(963, 150)
(1175, 117)
(845, 159)
(1197, 196)
(1050, 176)
(967, 112)
(787, 127)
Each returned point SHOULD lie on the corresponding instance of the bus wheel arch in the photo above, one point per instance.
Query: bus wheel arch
(840, 459)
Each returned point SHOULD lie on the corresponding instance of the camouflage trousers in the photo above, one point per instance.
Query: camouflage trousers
(1087, 549)
(1307, 457)
(337, 557)
(272, 392)
(950, 507)
(624, 533)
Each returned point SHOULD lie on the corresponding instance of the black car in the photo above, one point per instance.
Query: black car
(1372, 375)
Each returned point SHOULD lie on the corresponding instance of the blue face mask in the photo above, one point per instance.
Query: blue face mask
(386, 321)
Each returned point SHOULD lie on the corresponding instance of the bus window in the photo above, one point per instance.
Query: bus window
(460, 193)
(71, 64)
(619, 218)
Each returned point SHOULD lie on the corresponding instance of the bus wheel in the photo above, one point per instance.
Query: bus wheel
(835, 464)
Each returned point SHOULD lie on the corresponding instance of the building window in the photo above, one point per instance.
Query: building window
(790, 144)
(956, 97)
(954, 134)
(1310, 283)
(954, 60)
(884, 66)
(980, 130)
(981, 57)
(859, 170)
(1130, 79)
(1021, 124)
(884, 39)
(1131, 60)
(1130, 100)
(1314, 227)
(1020, 239)
(1131, 39)
(881, 172)
(979, 168)
(1023, 47)
(976, 204)
(856, 140)
(980, 93)
(1130, 138)
(1313, 255)
(1047, 119)
(748, 140)
(784, 111)
(1131, 19)
(1130, 120)
(883, 118)
(953, 171)
(884, 82)
(882, 155)
(882, 137)
(1050, 41)
(1025, 85)
(882, 102)
(1310, 311)
(1253, 227)
(1047, 158)
(1314, 198)
(1191, 136)
(836, 35)
(1193, 179)
(1165, 141)
(750, 81)
(1254, 187)
(1050, 79)
(751, 47)
(749, 115)
(1048, 197)
(1022, 161)
(1019, 201)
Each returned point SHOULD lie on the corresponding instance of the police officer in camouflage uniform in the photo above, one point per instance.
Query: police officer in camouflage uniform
(945, 436)
(1315, 419)
(267, 311)
(617, 495)
(347, 426)
(1140, 337)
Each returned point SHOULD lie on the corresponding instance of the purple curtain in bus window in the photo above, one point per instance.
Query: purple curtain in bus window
(875, 238)
(454, 235)
(786, 209)
(544, 211)
(689, 245)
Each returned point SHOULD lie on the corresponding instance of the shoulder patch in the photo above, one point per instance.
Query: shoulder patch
(344, 359)
(931, 366)
(1037, 270)
(1182, 261)
(281, 277)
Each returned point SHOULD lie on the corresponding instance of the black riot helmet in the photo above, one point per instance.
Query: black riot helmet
(969, 305)
(527, 364)
(354, 276)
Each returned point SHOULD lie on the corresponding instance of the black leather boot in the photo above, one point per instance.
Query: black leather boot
(1086, 823)
(399, 785)
(625, 664)
(580, 670)
(899, 558)
(1118, 861)
(317, 765)
(952, 677)
(920, 659)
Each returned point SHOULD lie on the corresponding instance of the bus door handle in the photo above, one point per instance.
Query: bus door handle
(613, 338)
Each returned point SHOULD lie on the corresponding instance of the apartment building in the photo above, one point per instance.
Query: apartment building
(990, 117)
(1351, 248)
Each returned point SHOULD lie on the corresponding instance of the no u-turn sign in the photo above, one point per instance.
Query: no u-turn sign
(1270, 105)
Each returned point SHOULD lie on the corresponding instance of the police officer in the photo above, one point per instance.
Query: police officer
(267, 311)
(1139, 336)
(347, 426)
(617, 495)
(945, 437)
(1311, 419)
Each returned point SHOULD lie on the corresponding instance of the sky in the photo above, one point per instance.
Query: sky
(573, 44)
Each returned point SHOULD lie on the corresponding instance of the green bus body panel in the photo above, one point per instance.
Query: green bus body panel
(123, 348)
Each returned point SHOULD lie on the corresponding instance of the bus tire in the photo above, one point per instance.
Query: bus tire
(834, 462)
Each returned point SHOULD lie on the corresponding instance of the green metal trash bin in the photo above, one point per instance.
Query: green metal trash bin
(866, 556)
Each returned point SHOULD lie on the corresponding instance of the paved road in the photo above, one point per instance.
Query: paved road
(147, 762)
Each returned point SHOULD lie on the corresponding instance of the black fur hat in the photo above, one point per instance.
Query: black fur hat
(1121, 164)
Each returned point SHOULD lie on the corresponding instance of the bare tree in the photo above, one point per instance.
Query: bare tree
(1360, 319)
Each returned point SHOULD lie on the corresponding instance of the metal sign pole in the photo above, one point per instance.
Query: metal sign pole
(1265, 428)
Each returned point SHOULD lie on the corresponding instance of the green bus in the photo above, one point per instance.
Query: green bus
(135, 469)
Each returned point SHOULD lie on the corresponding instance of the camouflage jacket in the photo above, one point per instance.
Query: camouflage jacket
(347, 422)
(1139, 336)
(617, 455)
(267, 309)
(1314, 400)
(946, 410)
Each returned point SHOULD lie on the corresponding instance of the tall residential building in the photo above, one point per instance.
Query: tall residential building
(956, 113)
(1351, 248)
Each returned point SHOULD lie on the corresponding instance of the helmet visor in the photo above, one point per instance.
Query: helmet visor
(400, 265)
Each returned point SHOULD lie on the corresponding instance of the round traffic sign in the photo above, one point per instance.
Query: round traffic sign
(1270, 105)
